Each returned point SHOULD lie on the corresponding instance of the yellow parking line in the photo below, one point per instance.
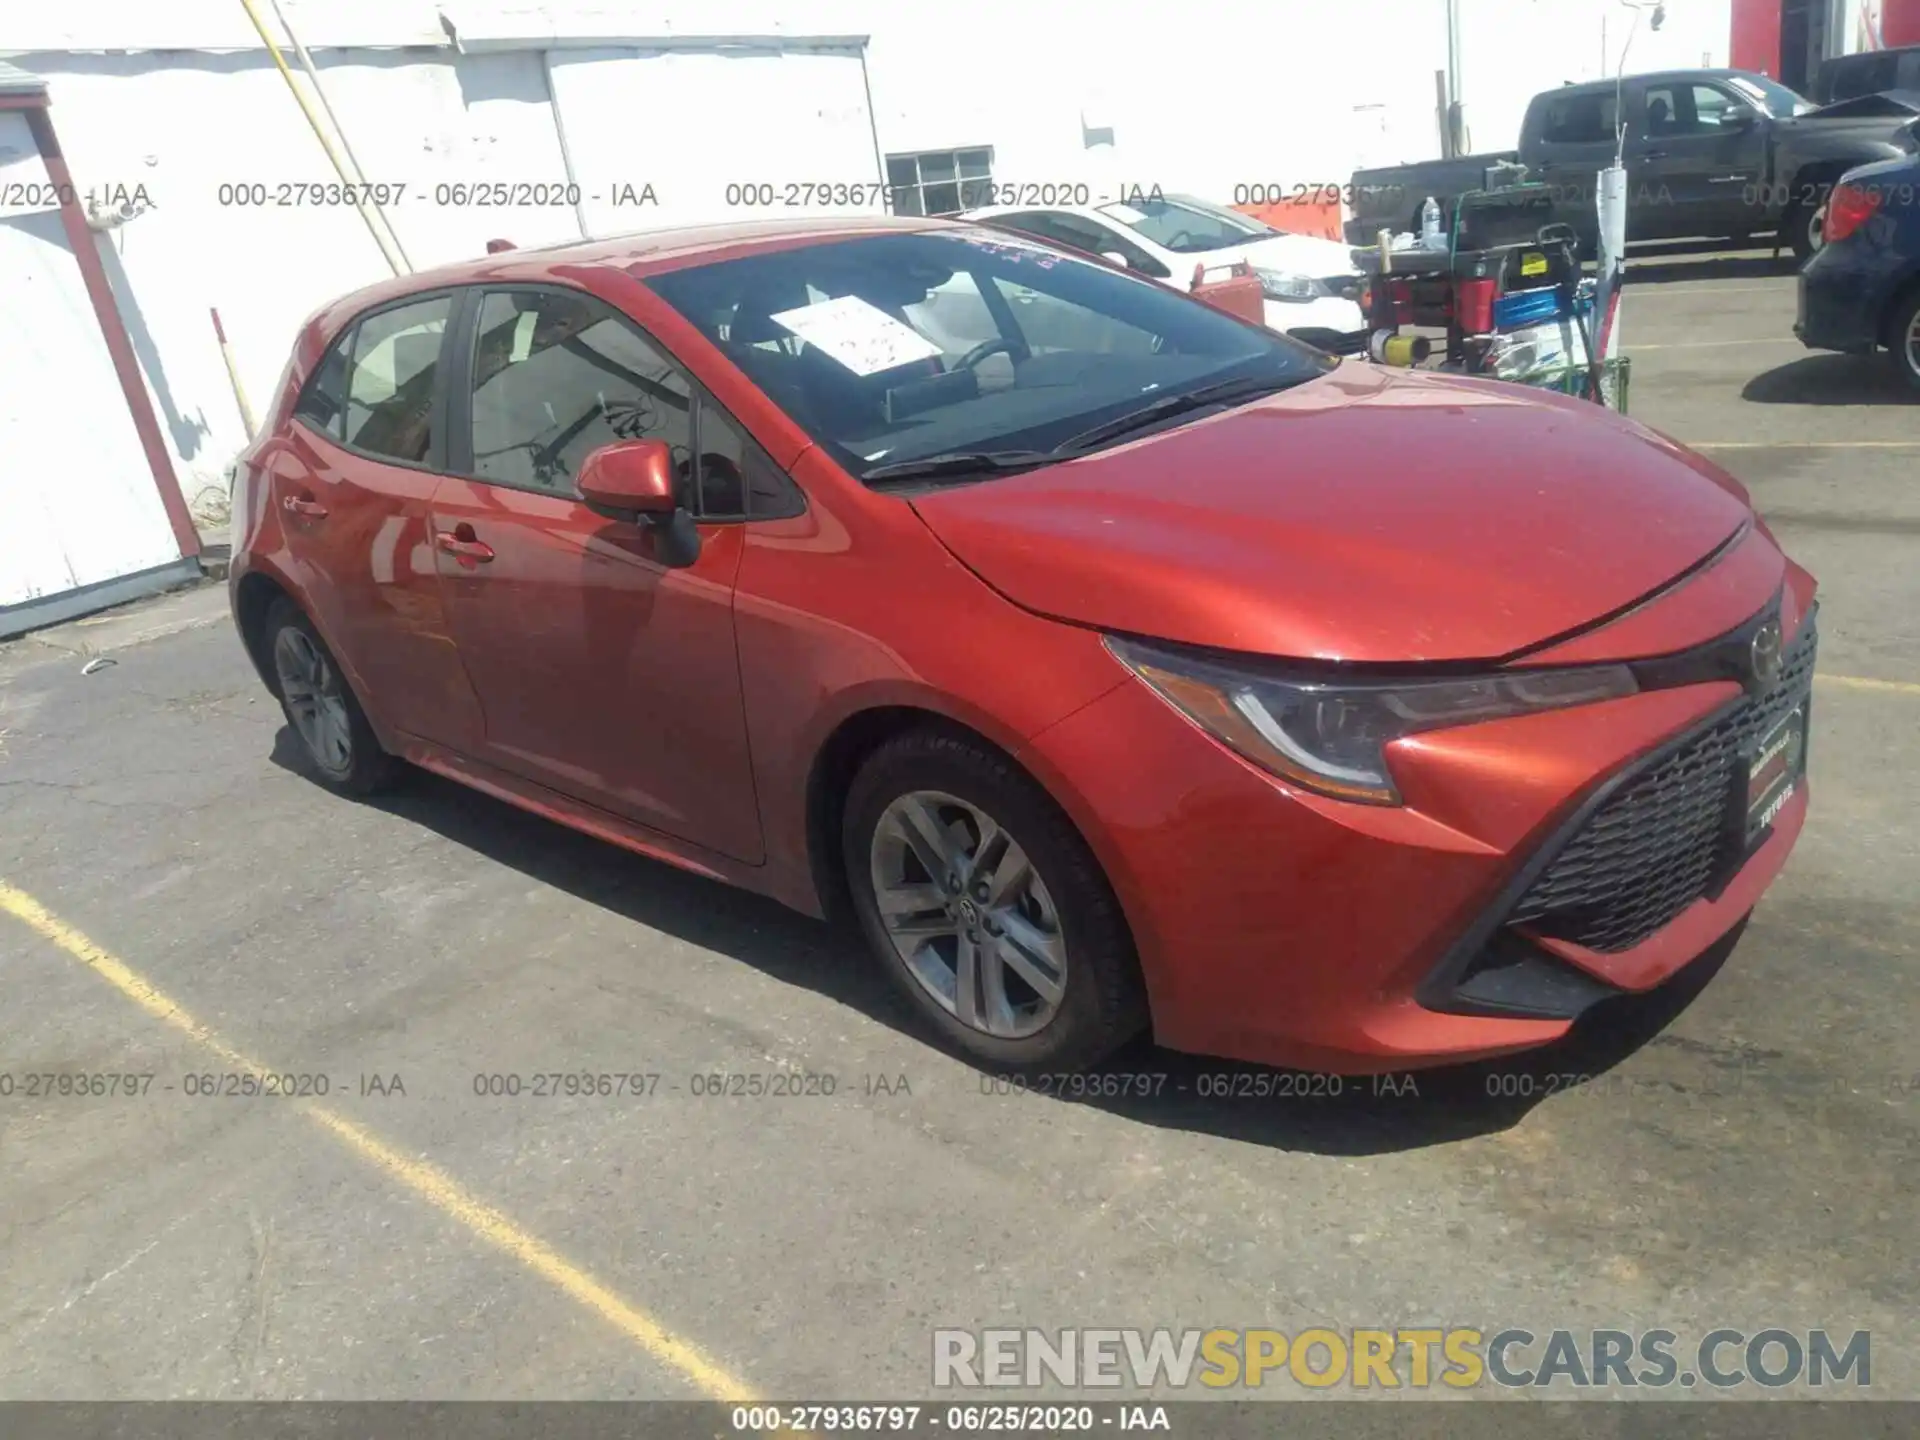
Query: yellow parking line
(1860, 682)
(431, 1184)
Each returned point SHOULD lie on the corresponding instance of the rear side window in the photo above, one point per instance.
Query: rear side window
(394, 358)
(1579, 119)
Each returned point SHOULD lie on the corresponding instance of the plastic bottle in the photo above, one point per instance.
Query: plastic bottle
(1431, 237)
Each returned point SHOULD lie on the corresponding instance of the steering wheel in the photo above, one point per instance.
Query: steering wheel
(996, 346)
(1185, 237)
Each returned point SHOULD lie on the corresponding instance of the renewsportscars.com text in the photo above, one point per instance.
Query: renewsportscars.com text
(1457, 1357)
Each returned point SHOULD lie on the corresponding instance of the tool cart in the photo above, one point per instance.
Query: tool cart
(1508, 289)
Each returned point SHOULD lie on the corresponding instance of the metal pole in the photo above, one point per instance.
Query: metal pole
(394, 260)
(1454, 85)
(566, 154)
(346, 146)
(873, 127)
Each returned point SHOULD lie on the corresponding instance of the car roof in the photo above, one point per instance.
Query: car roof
(638, 254)
(1653, 77)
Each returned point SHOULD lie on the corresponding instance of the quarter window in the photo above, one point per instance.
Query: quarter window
(390, 379)
(325, 398)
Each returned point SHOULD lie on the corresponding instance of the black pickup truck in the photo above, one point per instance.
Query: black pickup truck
(1710, 154)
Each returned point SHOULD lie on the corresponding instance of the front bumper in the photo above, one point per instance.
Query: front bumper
(1280, 927)
(1323, 318)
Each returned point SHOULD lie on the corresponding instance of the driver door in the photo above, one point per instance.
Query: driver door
(602, 673)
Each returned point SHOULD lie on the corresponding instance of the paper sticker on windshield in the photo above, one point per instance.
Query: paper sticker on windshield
(860, 336)
(1125, 214)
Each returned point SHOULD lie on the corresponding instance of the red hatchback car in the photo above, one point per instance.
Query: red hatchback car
(1117, 662)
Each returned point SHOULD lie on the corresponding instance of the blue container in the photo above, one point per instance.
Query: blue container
(1521, 308)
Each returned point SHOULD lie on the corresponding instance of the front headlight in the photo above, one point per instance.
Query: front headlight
(1330, 736)
(1285, 285)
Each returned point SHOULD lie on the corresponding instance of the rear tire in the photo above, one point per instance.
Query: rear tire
(321, 708)
(1903, 339)
(1805, 225)
(985, 906)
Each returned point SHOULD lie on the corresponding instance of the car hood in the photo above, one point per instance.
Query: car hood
(1298, 254)
(1368, 515)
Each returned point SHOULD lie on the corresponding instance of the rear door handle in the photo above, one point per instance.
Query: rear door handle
(463, 546)
(305, 505)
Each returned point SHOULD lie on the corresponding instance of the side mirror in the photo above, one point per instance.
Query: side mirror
(632, 480)
(1739, 117)
(1116, 259)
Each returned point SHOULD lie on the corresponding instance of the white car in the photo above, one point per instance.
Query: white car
(1308, 282)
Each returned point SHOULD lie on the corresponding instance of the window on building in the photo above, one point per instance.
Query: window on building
(390, 378)
(557, 376)
(940, 182)
(1584, 118)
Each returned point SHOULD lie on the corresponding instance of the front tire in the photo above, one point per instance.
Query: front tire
(980, 899)
(320, 705)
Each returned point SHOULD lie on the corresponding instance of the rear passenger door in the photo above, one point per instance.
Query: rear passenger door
(351, 482)
(1574, 139)
(603, 673)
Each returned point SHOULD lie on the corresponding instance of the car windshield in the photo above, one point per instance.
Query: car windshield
(890, 349)
(1184, 226)
(1776, 99)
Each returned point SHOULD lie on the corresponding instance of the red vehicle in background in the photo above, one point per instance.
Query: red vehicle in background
(1116, 662)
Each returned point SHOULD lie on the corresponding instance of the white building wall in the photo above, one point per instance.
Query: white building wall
(1212, 96)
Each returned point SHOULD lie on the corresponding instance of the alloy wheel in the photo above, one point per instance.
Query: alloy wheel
(1910, 346)
(968, 914)
(310, 684)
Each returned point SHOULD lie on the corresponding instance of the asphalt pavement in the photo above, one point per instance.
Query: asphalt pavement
(178, 901)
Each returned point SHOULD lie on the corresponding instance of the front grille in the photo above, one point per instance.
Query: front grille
(1661, 841)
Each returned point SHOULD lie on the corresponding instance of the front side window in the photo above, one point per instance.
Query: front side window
(555, 377)
(893, 348)
(390, 378)
(1186, 228)
(1680, 109)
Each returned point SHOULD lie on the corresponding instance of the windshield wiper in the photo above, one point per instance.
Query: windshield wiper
(1205, 398)
(961, 462)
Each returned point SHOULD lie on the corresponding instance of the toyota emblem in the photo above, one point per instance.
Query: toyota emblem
(1763, 658)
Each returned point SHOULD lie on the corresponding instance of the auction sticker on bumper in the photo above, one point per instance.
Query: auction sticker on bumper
(1774, 772)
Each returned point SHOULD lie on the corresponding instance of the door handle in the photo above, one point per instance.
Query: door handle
(305, 505)
(463, 546)
(1653, 154)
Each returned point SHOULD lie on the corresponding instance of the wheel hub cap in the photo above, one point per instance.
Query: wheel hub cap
(968, 914)
(315, 700)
